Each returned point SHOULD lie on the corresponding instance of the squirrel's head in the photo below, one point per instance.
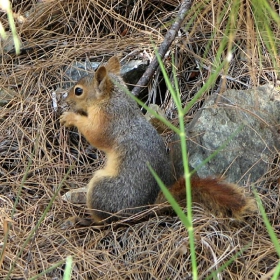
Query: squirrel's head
(94, 89)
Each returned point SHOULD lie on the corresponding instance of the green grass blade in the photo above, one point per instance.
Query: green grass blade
(68, 268)
(276, 273)
(176, 207)
(185, 220)
(268, 226)
(6, 6)
(148, 109)
(211, 80)
(54, 266)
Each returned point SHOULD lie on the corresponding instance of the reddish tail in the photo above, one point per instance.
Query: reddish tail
(221, 198)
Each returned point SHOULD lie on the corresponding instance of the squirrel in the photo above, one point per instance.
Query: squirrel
(112, 122)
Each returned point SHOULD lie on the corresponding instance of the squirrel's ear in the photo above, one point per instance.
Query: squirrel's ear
(113, 65)
(102, 81)
(100, 74)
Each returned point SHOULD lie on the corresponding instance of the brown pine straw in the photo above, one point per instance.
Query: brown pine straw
(55, 34)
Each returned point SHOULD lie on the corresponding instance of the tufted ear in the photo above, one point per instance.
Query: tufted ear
(113, 65)
(102, 82)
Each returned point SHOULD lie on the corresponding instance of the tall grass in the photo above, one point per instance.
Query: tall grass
(6, 6)
(264, 18)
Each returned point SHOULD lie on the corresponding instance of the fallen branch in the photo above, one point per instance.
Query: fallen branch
(169, 38)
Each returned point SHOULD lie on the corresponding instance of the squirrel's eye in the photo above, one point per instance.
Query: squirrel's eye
(78, 91)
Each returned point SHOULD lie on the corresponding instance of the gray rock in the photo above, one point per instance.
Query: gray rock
(77, 70)
(248, 154)
(131, 71)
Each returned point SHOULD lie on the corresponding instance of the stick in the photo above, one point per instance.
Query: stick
(163, 48)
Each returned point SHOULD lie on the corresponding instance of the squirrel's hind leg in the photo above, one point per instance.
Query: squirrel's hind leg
(82, 222)
(76, 221)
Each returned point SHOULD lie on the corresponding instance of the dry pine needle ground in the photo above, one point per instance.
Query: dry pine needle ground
(36, 153)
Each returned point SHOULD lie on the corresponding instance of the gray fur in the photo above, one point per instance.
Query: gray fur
(139, 144)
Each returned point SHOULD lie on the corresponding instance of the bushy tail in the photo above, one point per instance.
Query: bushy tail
(221, 198)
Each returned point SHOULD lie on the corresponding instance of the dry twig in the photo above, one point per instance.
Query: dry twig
(169, 38)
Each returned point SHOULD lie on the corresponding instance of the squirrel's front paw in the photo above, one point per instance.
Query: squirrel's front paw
(68, 119)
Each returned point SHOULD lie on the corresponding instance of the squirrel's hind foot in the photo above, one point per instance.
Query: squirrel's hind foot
(74, 221)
